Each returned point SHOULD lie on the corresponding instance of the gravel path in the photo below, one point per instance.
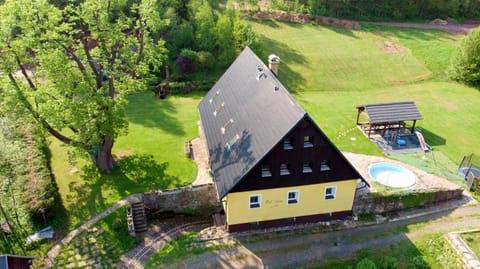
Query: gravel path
(53, 252)
(299, 249)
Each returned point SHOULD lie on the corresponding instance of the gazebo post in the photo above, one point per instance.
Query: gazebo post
(413, 126)
(358, 115)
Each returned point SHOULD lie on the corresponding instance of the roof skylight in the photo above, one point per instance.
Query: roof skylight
(218, 109)
(226, 125)
(232, 141)
(214, 96)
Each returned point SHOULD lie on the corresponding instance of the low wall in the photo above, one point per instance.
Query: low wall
(194, 199)
(368, 204)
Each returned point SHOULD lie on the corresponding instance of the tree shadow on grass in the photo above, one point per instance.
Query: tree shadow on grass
(407, 33)
(149, 111)
(340, 30)
(135, 174)
(291, 79)
(432, 139)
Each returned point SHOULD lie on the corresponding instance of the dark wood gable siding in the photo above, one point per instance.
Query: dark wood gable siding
(323, 149)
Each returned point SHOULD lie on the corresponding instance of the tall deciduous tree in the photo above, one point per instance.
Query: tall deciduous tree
(71, 69)
(465, 66)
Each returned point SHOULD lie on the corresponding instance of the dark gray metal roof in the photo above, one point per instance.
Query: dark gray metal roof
(391, 112)
(255, 110)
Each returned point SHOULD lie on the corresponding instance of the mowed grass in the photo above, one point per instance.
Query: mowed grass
(151, 152)
(473, 241)
(330, 70)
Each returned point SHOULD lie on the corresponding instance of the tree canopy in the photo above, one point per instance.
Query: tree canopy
(71, 68)
(465, 65)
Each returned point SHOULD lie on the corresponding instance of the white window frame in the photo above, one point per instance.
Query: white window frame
(325, 166)
(331, 196)
(288, 143)
(308, 141)
(252, 205)
(307, 167)
(295, 200)
(266, 171)
(284, 171)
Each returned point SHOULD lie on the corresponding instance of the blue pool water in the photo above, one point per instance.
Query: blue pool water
(392, 175)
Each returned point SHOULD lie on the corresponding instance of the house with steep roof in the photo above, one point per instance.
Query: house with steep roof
(271, 164)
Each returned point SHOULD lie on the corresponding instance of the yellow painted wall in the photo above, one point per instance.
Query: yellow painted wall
(274, 202)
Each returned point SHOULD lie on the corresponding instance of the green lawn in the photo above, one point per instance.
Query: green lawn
(427, 251)
(473, 241)
(152, 151)
(331, 70)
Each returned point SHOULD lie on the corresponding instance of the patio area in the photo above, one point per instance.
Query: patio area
(396, 141)
(424, 181)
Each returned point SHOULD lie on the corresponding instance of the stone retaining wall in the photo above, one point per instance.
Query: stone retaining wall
(199, 199)
(203, 198)
(468, 256)
(365, 204)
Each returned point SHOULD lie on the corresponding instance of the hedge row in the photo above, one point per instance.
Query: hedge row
(382, 9)
(28, 178)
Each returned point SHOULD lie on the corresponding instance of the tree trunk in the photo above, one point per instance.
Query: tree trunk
(104, 158)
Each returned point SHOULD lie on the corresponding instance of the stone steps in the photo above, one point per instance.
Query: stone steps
(138, 217)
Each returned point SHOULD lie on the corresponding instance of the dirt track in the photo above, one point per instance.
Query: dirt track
(303, 249)
(464, 28)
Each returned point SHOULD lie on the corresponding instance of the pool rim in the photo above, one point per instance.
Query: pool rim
(405, 170)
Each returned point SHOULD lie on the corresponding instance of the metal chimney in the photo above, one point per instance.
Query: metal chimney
(273, 61)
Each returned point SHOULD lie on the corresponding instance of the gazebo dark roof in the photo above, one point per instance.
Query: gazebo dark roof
(391, 112)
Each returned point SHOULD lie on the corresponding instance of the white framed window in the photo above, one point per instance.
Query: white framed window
(325, 165)
(266, 172)
(308, 141)
(255, 201)
(287, 143)
(330, 192)
(293, 197)
(284, 169)
(307, 167)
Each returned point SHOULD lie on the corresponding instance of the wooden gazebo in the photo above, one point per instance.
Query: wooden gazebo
(388, 116)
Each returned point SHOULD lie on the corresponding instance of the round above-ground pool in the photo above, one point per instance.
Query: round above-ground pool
(392, 175)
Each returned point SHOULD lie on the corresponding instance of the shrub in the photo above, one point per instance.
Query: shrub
(206, 61)
(183, 65)
(418, 262)
(465, 65)
(389, 262)
(190, 54)
(365, 263)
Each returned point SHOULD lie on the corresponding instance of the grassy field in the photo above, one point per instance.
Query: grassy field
(152, 151)
(331, 70)
(473, 241)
